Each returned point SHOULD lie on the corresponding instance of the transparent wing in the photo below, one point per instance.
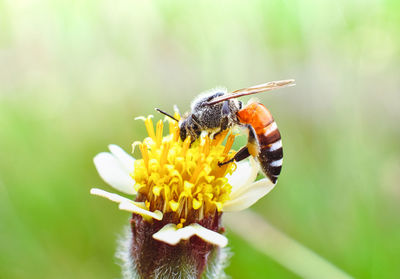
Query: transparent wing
(254, 90)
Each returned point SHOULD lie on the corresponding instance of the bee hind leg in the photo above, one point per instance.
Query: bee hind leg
(216, 134)
(225, 112)
(242, 154)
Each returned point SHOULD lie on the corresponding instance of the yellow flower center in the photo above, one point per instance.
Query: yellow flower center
(181, 179)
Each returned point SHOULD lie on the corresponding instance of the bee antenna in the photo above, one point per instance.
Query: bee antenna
(167, 114)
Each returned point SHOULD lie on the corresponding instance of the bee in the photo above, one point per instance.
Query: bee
(218, 110)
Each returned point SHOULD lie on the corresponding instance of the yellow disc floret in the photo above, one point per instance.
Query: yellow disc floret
(179, 178)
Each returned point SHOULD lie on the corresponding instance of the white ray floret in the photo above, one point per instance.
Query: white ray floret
(111, 196)
(127, 161)
(115, 169)
(127, 204)
(170, 234)
(131, 207)
(246, 172)
(247, 195)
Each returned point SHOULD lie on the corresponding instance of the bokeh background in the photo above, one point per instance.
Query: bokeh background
(74, 74)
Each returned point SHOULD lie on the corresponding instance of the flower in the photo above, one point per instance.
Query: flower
(179, 191)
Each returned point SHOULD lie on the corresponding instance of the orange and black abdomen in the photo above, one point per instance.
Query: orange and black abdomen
(270, 153)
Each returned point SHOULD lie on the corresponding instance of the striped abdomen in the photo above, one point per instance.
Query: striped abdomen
(270, 154)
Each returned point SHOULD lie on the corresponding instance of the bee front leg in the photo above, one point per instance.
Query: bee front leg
(242, 154)
(194, 129)
(194, 134)
(225, 113)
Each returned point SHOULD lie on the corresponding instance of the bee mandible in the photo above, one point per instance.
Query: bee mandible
(217, 110)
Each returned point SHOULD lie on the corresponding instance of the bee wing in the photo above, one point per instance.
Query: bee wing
(254, 90)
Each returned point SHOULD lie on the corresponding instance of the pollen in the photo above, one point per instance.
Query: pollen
(180, 178)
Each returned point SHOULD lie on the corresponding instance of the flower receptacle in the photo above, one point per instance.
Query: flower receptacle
(187, 259)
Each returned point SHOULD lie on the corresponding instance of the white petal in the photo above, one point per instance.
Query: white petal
(245, 174)
(132, 207)
(210, 236)
(108, 195)
(171, 235)
(127, 204)
(112, 172)
(249, 195)
(241, 174)
(126, 160)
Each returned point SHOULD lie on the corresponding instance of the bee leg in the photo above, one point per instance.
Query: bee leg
(195, 119)
(194, 135)
(225, 112)
(194, 130)
(242, 154)
(217, 133)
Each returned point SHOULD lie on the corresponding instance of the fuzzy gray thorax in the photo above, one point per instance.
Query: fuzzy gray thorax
(211, 118)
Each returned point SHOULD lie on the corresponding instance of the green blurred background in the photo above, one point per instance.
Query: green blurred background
(74, 74)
